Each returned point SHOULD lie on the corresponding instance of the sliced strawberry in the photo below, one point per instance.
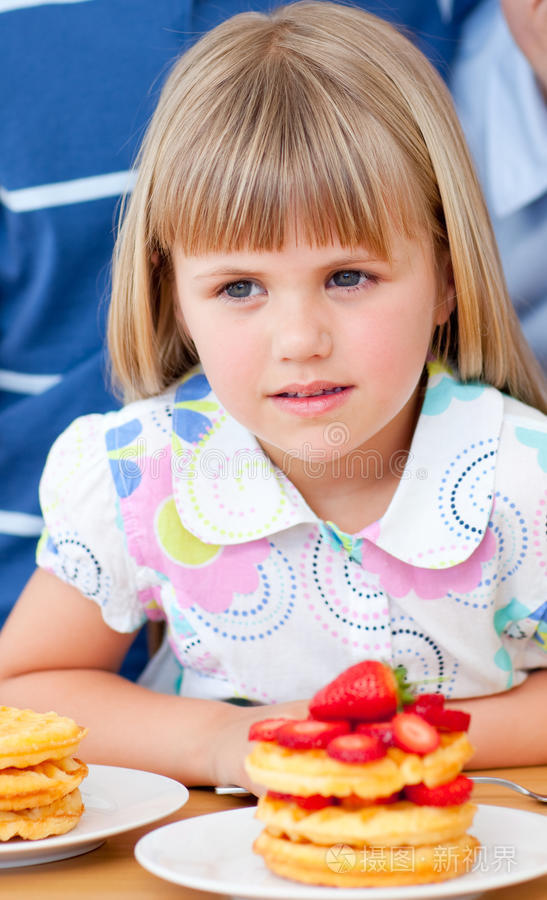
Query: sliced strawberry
(369, 691)
(436, 699)
(413, 734)
(314, 801)
(267, 729)
(447, 719)
(451, 794)
(356, 748)
(382, 730)
(354, 801)
(424, 702)
(391, 798)
(309, 734)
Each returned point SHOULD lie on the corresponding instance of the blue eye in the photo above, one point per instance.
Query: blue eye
(240, 290)
(347, 278)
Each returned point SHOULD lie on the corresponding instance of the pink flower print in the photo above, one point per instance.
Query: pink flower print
(234, 570)
(205, 575)
(398, 578)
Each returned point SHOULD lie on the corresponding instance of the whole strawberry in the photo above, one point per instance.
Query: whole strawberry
(368, 691)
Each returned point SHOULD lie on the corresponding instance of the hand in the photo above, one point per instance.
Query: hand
(527, 20)
(231, 744)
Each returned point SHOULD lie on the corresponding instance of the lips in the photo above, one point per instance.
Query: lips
(314, 389)
(313, 400)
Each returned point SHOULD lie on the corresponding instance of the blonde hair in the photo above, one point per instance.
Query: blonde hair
(325, 114)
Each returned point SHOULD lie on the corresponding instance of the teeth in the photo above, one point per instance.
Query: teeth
(299, 395)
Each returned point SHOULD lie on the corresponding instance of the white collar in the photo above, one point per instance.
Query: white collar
(227, 491)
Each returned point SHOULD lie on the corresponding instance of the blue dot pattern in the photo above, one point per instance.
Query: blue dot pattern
(271, 608)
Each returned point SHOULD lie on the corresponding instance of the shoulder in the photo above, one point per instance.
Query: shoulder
(524, 427)
(119, 428)
(521, 471)
(146, 424)
(518, 409)
(91, 468)
(90, 450)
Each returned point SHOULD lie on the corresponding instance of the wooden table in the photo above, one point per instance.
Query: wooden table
(111, 871)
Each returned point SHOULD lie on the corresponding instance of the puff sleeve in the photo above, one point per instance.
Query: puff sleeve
(83, 541)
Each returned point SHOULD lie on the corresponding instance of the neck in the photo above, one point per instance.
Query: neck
(355, 488)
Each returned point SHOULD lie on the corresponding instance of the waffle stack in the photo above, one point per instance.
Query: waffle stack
(39, 775)
(355, 802)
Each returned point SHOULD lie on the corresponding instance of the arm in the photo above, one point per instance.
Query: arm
(509, 729)
(57, 653)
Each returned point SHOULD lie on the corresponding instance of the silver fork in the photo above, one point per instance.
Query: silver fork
(504, 782)
(478, 779)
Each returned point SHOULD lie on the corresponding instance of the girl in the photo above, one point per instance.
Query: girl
(333, 443)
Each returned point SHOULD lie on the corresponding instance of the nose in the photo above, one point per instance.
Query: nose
(302, 330)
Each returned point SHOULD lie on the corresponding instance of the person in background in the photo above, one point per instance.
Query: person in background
(499, 85)
(79, 81)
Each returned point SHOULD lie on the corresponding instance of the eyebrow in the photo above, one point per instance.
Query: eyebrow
(227, 273)
(339, 263)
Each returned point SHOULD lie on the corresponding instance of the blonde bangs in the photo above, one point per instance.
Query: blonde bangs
(282, 145)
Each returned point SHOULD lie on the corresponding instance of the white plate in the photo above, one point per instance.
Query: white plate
(115, 800)
(213, 853)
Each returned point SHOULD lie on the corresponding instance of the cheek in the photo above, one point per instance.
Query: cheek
(384, 340)
(232, 364)
(210, 335)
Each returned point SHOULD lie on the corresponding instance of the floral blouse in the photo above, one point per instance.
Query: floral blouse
(169, 509)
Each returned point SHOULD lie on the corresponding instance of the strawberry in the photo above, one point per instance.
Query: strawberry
(447, 719)
(356, 748)
(424, 702)
(453, 793)
(313, 802)
(369, 690)
(267, 729)
(309, 734)
(413, 734)
(382, 730)
(431, 708)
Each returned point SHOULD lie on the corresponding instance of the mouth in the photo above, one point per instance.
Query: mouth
(313, 400)
(298, 392)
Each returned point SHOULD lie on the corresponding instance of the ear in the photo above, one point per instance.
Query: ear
(446, 299)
